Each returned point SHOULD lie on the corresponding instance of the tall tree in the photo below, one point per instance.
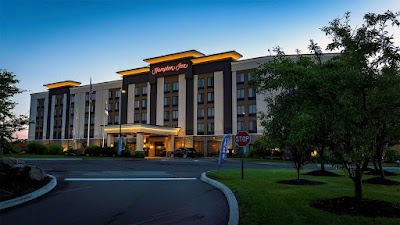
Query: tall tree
(9, 122)
(349, 103)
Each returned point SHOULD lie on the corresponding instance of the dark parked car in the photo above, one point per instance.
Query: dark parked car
(184, 152)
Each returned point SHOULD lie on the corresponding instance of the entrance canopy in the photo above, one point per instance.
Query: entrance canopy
(141, 128)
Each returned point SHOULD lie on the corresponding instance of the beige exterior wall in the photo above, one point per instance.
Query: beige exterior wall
(218, 103)
(160, 102)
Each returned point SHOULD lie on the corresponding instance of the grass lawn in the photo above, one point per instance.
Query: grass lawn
(263, 201)
(32, 156)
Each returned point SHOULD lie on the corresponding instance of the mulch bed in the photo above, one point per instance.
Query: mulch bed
(322, 173)
(381, 181)
(354, 207)
(14, 188)
(300, 182)
(378, 173)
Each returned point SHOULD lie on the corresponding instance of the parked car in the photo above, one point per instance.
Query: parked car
(184, 153)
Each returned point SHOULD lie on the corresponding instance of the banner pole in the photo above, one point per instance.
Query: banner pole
(242, 162)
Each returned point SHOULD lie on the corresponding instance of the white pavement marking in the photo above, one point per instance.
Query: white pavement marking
(130, 179)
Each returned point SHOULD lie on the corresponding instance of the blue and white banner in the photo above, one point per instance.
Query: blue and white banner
(223, 152)
(121, 140)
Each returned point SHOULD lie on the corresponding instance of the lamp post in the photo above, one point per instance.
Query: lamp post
(122, 91)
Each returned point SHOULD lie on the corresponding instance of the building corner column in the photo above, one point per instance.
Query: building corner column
(139, 141)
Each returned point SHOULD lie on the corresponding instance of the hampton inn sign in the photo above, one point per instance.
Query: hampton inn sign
(164, 69)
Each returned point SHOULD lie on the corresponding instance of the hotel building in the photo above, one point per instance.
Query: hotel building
(185, 99)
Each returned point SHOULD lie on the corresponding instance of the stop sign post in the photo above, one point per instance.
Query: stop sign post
(242, 139)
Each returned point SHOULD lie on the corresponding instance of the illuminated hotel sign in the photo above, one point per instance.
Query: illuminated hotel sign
(172, 68)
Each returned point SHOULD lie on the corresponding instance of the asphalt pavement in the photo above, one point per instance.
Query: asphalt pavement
(128, 191)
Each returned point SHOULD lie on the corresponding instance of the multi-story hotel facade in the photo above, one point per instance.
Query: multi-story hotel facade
(185, 99)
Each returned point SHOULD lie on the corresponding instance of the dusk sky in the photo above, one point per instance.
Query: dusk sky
(45, 41)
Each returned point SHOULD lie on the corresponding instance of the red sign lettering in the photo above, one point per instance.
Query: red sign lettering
(164, 69)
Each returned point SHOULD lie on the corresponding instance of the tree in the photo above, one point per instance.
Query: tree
(349, 103)
(9, 122)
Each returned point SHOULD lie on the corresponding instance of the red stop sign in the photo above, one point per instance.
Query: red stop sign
(242, 138)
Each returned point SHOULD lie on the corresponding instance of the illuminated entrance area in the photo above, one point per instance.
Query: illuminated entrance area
(153, 140)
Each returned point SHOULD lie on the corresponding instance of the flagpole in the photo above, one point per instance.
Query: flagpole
(90, 104)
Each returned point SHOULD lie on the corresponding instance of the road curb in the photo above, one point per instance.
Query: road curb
(230, 197)
(22, 199)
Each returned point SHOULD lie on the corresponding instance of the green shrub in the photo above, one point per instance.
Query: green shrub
(38, 148)
(260, 149)
(93, 150)
(126, 153)
(54, 149)
(9, 148)
(391, 156)
(139, 154)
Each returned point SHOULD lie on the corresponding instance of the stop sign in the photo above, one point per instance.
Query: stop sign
(242, 138)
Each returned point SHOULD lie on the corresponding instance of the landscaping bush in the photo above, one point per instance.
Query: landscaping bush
(35, 147)
(260, 149)
(93, 150)
(391, 156)
(54, 149)
(139, 154)
(126, 153)
(9, 148)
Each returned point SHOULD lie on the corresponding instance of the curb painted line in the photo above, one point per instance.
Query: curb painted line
(230, 197)
(30, 196)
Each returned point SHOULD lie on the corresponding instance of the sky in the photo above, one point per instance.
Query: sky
(46, 41)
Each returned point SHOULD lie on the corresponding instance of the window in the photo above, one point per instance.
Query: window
(117, 93)
(144, 103)
(110, 107)
(71, 121)
(110, 94)
(200, 128)
(144, 117)
(200, 83)
(252, 93)
(167, 87)
(86, 98)
(240, 78)
(210, 128)
(144, 90)
(116, 119)
(210, 113)
(166, 101)
(174, 100)
(200, 98)
(86, 121)
(109, 120)
(210, 97)
(252, 110)
(240, 125)
(116, 106)
(137, 104)
(136, 118)
(175, 115)
(200, 113)
(240, 94)
(91, 119)
(166, 115)
(175, 86)
(72, 100)
(253, 126)
(249, 76)
(240, 110)
(137, 91)
(210, 81)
